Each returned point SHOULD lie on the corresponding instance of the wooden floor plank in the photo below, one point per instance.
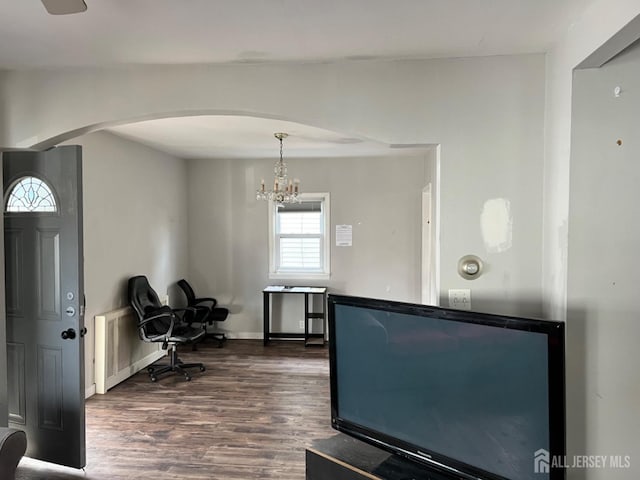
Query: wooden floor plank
(250, 415)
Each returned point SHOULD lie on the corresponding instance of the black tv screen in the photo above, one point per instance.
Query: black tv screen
(472, 394)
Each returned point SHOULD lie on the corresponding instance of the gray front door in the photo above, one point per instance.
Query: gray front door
(44, 301)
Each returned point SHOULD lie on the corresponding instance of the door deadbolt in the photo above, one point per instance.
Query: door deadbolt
(70, 311)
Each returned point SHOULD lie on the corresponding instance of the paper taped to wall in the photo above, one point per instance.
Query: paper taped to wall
(344, 235)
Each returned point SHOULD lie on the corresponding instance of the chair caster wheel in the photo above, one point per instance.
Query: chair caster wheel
(202, 369)
(153, 378)
(187, 378)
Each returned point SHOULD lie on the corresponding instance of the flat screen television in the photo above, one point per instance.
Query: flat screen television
(473, 395)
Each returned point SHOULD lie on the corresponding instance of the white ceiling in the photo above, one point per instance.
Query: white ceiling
(203, 31)
(113, 32)
(225, 136)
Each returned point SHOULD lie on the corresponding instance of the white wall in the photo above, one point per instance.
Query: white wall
(598, 403)
(135, 223)
(601, 21)
(4, 112)
(604, 239)
(228, 230)
(486, 113)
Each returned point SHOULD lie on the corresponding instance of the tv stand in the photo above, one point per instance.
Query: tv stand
(345, 458)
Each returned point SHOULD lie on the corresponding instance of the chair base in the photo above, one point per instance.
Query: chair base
(221, 338)
(176, 366)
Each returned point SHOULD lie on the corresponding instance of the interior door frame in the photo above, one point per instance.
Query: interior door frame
(430, 239)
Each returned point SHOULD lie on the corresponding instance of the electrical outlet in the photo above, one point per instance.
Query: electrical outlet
(301, 325)
(460, 299)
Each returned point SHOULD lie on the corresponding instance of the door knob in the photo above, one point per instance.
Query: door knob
(68, 334)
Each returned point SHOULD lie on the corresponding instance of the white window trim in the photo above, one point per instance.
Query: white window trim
(326, 243)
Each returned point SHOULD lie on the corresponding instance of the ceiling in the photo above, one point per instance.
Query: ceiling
(206, 31)
(224, 136)
(119, 32)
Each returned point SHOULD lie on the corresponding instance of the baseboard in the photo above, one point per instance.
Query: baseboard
(90, 391)
(244, 335)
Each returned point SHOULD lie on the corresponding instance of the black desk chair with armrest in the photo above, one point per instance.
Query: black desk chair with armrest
(207, 311)
(160, 323)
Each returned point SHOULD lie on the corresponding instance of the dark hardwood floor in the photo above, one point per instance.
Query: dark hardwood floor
(249, 416)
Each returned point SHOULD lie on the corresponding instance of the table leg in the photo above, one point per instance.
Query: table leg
(265, 318)
(306, 318)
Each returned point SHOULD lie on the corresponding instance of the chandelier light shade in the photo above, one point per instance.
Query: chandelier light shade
(284, 190)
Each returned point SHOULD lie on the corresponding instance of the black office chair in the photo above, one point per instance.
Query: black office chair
(160, 323)
(207, 311)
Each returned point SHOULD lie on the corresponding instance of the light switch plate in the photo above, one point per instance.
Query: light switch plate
(460, 299)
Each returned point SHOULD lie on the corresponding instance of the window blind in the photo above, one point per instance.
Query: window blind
(298, 247)
(299, 235)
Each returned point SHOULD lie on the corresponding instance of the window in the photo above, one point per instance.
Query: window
(30, 194)
(299, 245)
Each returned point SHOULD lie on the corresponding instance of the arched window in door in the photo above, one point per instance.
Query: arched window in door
(31, 194)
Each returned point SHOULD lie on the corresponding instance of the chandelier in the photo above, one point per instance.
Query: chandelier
(284, 190)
